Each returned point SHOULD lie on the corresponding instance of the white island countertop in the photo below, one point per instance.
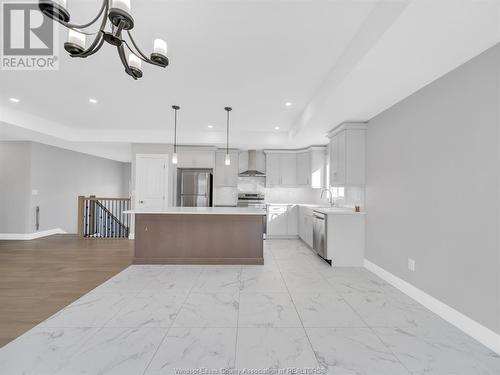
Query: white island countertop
(202, 211)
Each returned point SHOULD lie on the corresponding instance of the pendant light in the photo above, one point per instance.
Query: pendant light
(174, 155)
(227, 160)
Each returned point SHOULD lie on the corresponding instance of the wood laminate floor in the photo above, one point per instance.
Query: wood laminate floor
(40, 277)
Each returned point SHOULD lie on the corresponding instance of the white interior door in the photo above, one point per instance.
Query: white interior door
(151, 182)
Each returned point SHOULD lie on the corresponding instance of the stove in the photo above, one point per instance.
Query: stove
(255, 200)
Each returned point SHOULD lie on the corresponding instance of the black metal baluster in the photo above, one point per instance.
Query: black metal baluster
(86, 228)
(120, 232)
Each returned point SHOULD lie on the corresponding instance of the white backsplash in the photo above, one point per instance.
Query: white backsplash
(279, 195)
(353, 195)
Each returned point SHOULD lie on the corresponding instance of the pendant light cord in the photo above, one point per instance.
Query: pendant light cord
(175, 130)
(227, 134)
(176, 108)
(227, 109)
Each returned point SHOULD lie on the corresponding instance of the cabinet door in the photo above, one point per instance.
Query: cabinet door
(195, 159)
(273, 170)
(219, 177)
(226, 175)
(303, 168)
(288, 169)
(341, 158)
(338, 159)
(308, 230)
(302, 223)
(292, 215)
(318, 169)
(355, 157)
(277, 221)
(334, 146)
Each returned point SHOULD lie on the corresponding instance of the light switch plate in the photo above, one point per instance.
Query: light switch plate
(34, 192)
(411, 264)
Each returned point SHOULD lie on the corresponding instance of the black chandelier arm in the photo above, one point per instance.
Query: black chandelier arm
(137, 48)
(98, 40)
(104, 6)
(140, 55)
(121, 53)
(91, 51)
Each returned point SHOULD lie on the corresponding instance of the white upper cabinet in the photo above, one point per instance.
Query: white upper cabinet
(288, 169)
(317, 173)
(281, 169)
(347, 154)
(301, 168)
(273, 176)
(195, 158)
(226, 175)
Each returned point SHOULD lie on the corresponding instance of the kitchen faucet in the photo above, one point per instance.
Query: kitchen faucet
(331, 196)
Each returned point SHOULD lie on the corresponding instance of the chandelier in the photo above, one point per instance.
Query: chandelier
(118, 14)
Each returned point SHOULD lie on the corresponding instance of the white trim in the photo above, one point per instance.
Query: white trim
(30, 236)
(346, 126)
(474, 329)
(131, 236)
(296, 150)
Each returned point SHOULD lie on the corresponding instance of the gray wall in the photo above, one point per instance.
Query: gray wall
(433, 190)
(14, 186)
(59, 176)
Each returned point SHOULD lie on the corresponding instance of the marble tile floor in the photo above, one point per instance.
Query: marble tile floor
(294, 312)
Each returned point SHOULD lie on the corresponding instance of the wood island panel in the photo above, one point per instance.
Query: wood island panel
(198, 239)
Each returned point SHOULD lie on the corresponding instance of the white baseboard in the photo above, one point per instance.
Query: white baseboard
(30, 236)
(474, 329)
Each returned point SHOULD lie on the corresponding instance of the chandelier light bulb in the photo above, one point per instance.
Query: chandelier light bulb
(134, 61)
(160, 47)
(227, 160)
(121, 4)
(76, 38)
(174, 158)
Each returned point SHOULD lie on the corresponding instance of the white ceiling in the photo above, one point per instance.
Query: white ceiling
(336, 61)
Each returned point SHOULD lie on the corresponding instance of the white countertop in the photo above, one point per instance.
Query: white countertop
(322, 208)
(202, 211)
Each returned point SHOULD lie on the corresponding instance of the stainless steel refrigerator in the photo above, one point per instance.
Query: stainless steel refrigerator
(194, 187)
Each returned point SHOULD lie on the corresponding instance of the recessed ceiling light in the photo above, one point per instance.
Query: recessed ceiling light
(288, 104)
(93, 101)
(276, 128)
(210, 126)
(14, 100)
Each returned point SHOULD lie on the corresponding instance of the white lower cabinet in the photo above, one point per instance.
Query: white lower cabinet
(276, 220)
(282, 221)
(306, 225)
(345, 238)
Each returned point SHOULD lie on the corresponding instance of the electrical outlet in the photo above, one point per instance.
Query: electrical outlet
(411, 264)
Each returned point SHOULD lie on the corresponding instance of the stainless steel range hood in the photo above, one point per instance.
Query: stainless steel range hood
(252, 170)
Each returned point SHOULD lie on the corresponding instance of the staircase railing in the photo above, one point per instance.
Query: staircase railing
(103, 217)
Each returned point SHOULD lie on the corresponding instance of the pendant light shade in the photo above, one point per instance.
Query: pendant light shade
(174, 155)
(227, 159)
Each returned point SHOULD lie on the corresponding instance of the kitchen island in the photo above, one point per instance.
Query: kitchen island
(199, 235)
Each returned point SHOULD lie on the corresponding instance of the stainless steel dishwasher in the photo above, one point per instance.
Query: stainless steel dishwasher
(319, 234)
